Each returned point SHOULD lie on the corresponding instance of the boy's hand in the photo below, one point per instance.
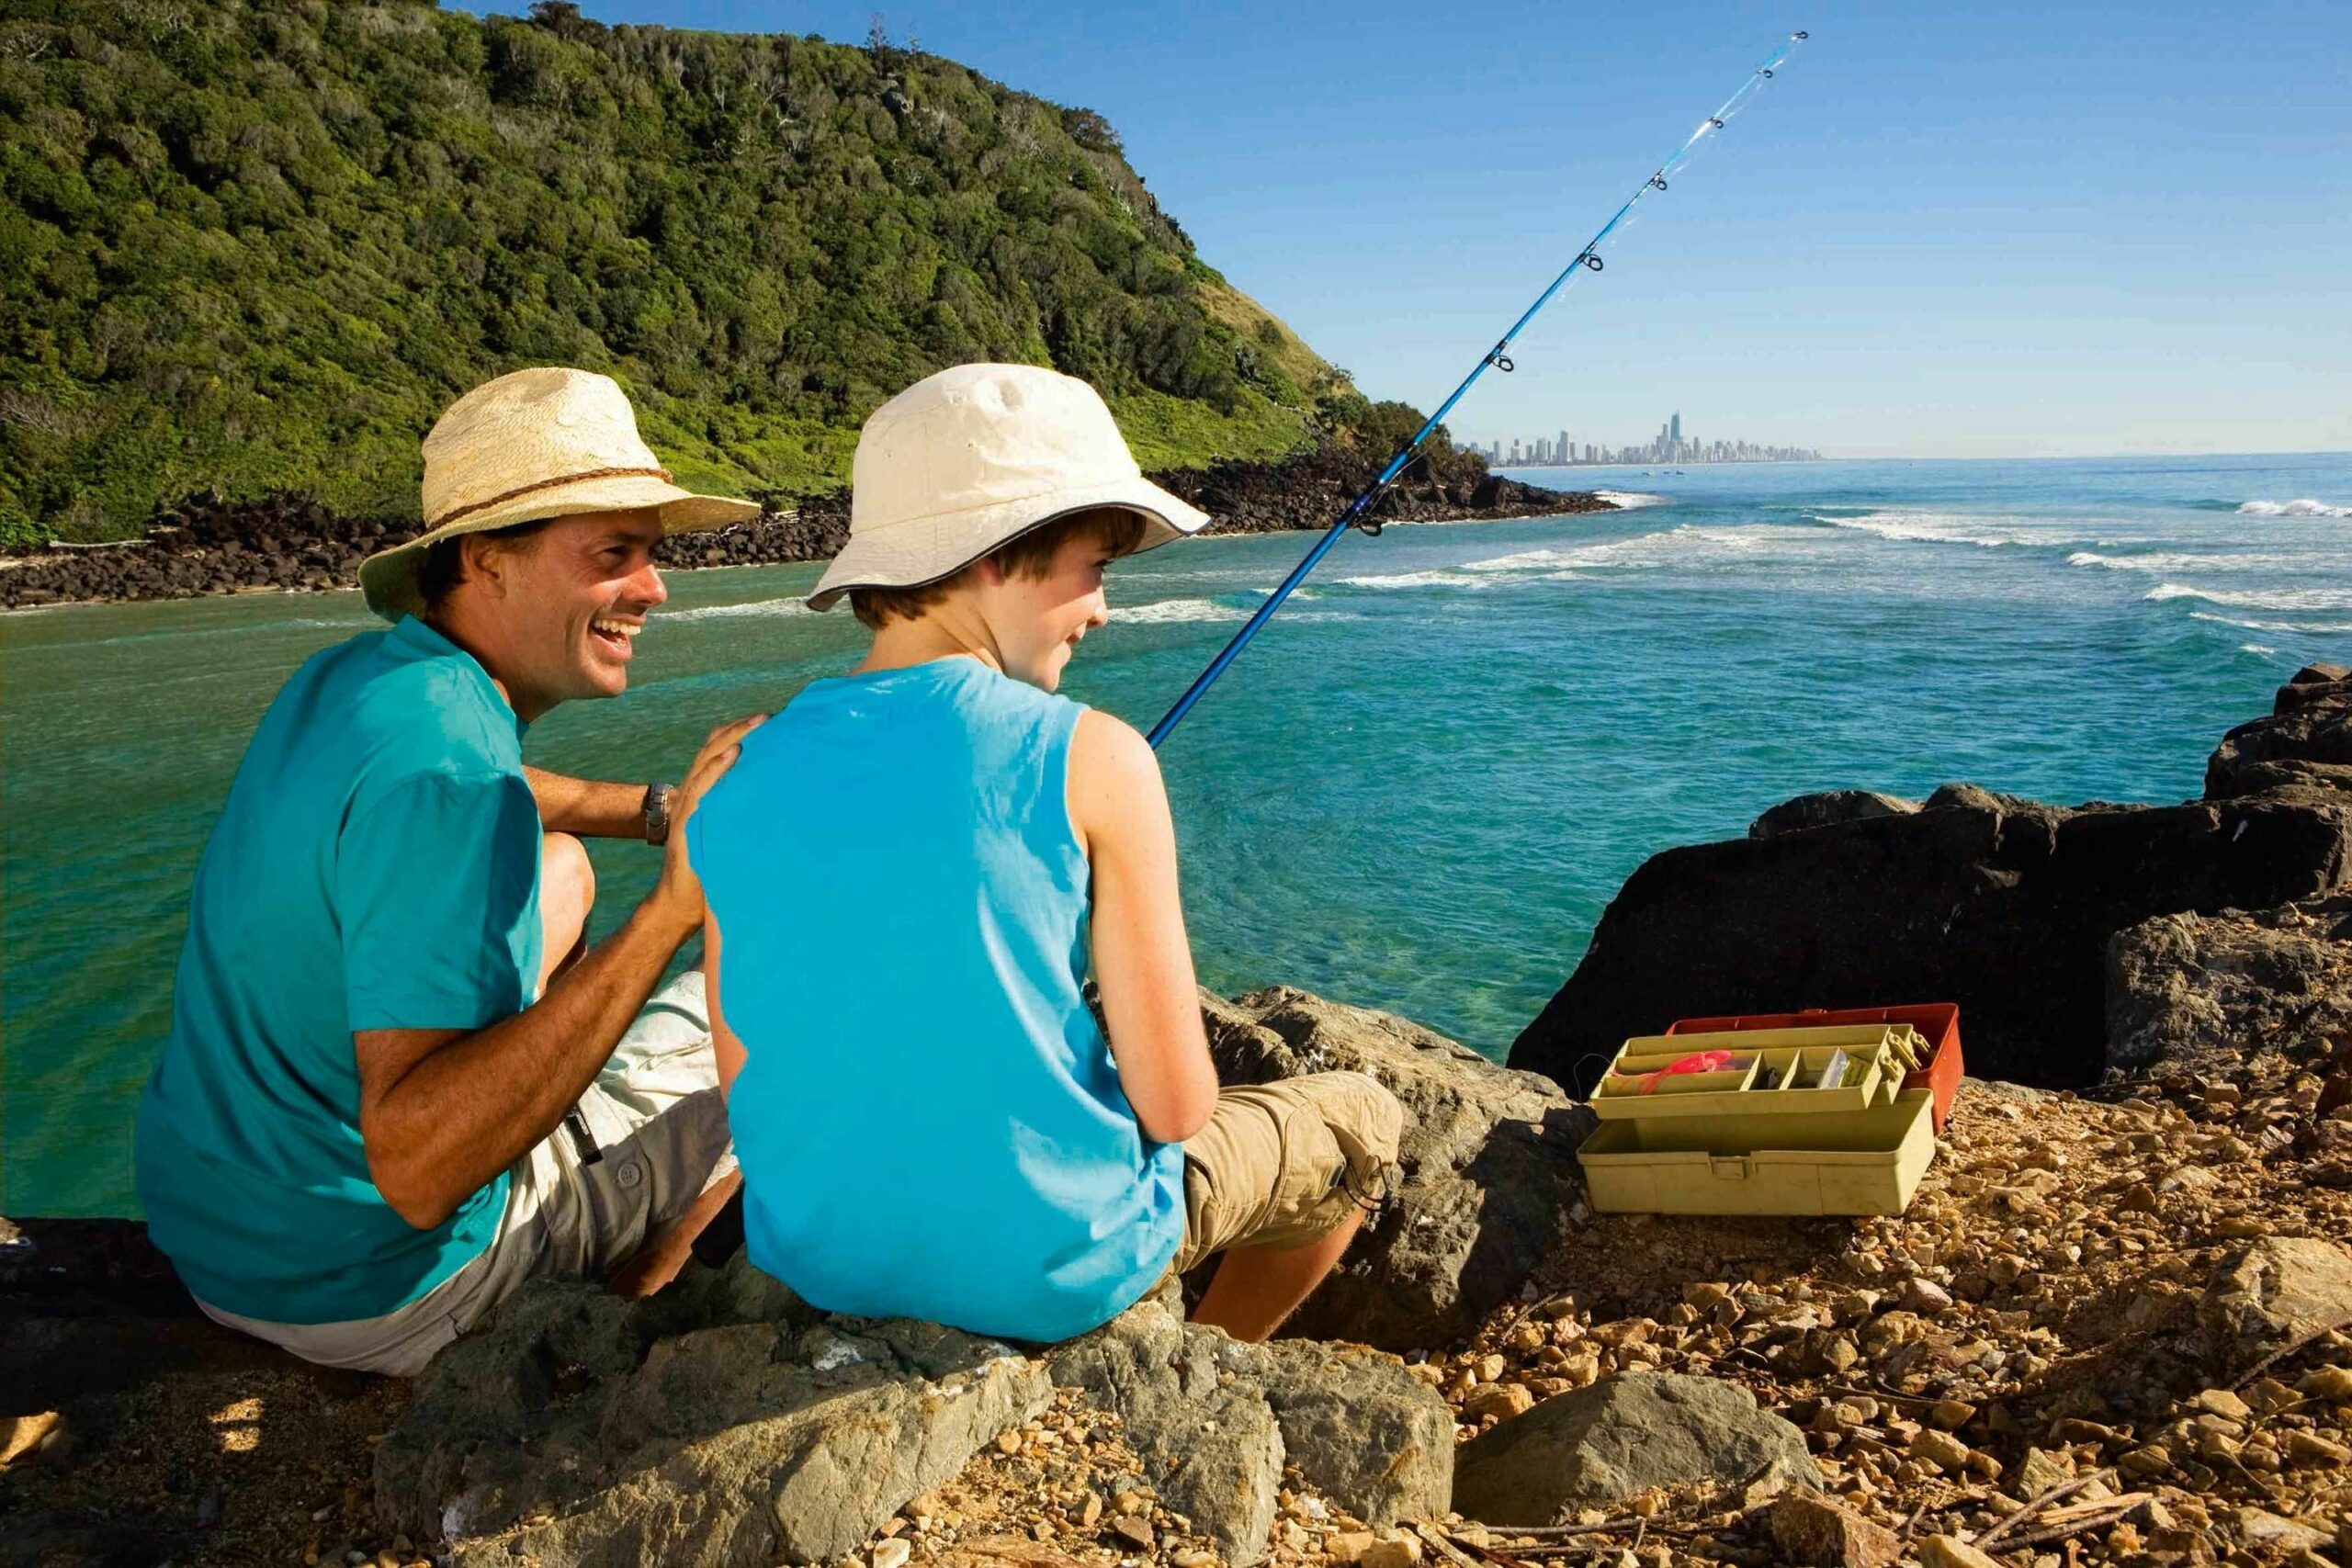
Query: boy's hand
(679, 890)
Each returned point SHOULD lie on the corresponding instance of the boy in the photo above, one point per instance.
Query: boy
(907, 874)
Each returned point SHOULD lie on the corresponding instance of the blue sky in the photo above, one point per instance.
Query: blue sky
(1942, 230)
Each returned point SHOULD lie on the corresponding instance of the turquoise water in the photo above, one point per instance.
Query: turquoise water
(1415, 792)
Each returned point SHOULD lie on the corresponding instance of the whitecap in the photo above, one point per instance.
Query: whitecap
(1415, 579)
(2299, 628)
(2177, 560)
(728, 611)
(1166, 610)
(2275, 599)
(2305, 508)
(2254, 647)
(1931, 528)
(1632, 500)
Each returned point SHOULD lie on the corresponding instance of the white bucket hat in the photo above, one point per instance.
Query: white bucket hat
(525, 447)
(966, 460)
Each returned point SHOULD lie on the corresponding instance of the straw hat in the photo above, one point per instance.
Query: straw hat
(965, 460)
(527, 446)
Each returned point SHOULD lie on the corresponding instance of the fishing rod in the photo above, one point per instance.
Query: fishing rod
(1358, 515)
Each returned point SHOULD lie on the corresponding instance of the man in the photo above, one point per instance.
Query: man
(397, 1084)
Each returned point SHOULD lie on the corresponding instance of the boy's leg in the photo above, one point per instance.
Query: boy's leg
(1278, 1182)
(1257, 1288)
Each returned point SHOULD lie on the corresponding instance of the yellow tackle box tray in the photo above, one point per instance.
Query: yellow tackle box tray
(1636, 1088)
(1838, 1162)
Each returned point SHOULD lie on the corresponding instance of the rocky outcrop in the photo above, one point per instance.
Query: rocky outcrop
(289, 544)
(577, 1428)
(2302, 749)
(2197, 989)
(1215, 1421)
(1488, 1172)
(1600, 1445)
(2001, 905)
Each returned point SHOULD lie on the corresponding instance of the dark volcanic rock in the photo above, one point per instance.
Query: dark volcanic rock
(2202, 990)
(2005, 907)
(1488, 1165)
(1827, 810)
(1310, 490)
(2303, 748)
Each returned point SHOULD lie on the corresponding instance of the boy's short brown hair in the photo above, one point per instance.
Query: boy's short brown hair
(1029, 555)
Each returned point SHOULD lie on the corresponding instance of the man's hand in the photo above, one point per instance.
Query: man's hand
(679, 891)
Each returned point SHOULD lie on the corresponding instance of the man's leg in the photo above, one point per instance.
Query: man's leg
(567, 892)
(1257, 1288)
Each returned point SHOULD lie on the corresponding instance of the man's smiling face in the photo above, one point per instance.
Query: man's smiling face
(564, 604)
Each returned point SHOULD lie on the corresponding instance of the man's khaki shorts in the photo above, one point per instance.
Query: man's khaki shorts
(1282, 1164)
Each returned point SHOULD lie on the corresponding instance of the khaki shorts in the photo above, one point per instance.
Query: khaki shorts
(1282, 1164)
(657, 1127)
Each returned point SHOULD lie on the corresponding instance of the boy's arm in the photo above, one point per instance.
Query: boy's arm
(725, 1046)
(1142, 959)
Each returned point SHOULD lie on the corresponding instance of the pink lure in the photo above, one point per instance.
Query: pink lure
(1697, 1062)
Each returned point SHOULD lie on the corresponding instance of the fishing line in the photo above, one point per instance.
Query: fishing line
(1358, 513)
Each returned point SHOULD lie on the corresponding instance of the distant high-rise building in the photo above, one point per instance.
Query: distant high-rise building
(1674, 428)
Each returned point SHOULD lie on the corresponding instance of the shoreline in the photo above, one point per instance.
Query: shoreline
(205, 548)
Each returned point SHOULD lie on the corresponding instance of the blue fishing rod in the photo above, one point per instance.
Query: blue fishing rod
(1358, 515)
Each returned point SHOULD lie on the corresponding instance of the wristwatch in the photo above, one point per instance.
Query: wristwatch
(657, 813)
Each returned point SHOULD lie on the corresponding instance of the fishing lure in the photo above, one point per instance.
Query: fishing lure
(1359, 511)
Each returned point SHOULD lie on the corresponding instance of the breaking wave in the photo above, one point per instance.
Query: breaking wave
(2299, 628)
(2276, 599)
(1633, 500)
(764, 607)
(1932, 528)
(2305, 508)
(2175, 561)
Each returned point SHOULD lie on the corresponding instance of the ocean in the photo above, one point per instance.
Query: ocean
(1415, 792)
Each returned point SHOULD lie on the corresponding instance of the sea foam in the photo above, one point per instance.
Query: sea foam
(2276, 599)
(1633, 500)
(766, 607)
(2305, 508)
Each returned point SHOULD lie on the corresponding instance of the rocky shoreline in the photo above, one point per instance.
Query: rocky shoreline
(2114, 1326)
(287, 544)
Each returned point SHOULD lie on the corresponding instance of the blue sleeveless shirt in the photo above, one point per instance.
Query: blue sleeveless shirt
(929, 1120)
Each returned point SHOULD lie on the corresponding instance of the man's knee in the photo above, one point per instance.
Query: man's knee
(567, 877)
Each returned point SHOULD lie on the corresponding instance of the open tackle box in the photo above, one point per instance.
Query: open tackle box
(1809, 1121)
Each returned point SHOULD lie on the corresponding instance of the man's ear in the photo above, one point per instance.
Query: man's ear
(484, 562)
(988, 572)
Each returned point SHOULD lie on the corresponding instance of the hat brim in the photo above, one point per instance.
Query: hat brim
(387, 579)
(929, 549)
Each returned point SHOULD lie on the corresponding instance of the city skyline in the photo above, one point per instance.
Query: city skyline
(1668, 445)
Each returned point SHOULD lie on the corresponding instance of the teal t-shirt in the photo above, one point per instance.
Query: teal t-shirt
(929, 1120)
(377, 866)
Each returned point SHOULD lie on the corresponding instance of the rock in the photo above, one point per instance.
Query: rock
(891, 1553)
(1393, 1551)
(1924, 1297)
(26, 1437)
(2302, 750)
(2037, 1472)
(2327, 1383)
(1941, 1450)
(1827, 810)
(1600, 1445)
(2222, 1402)
(1348, 1546)
(1951, 1551)
(2277, 1293)
(569, 1430)
(1133, 1531)
(2310, 1449)
(2002, 906)
(1488, 1166)
(1499, 1400)
(2260, 1528)
(2199, 990)
(1809, 1528)
(1358, 1426)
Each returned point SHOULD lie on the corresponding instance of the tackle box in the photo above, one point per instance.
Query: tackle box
(1790, 1072)
(1938, 1023)
(1822, 1162)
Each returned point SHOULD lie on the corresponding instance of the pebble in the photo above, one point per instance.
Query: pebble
(1135, 1531)
(1941, 1450)
(1951, 1551)
(1193, 1557)
(892, 1553)
(2222, 1402)
(2328, 1383)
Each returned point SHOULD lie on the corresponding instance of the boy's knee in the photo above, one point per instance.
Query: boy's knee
(1366, 1120)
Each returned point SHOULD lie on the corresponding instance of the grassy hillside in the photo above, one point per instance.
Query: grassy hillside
(256, 245)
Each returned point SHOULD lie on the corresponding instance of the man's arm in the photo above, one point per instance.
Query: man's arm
(1143, 960)
(443, 1112)
(588, 808)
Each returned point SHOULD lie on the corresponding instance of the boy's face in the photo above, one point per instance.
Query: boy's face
(1038, 622)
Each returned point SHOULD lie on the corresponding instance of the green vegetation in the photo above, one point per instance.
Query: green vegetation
(257, 245)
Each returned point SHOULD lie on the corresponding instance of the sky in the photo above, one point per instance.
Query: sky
(1941, 229)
